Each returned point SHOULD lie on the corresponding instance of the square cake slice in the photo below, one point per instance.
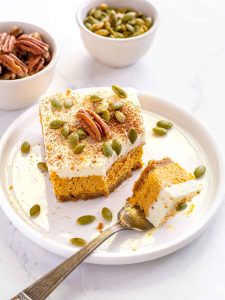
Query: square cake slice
(93, 140)
(162, 186)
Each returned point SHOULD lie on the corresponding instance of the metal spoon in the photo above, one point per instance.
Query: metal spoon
(129, 218)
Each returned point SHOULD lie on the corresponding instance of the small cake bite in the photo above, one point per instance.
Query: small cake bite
(93, 140)
(162, 187)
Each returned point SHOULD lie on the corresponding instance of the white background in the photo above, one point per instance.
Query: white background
(186, 65)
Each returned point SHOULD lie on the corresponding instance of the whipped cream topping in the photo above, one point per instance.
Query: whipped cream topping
(169, 198)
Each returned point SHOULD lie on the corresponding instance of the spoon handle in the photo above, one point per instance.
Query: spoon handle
(40, 289)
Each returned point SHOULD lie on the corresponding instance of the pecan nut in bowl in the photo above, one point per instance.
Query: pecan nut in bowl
(28, 55)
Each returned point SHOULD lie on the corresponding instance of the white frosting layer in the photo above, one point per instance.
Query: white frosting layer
(102, 165)
(169, 198)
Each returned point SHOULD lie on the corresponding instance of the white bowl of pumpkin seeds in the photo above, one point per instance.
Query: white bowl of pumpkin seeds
(117, 32)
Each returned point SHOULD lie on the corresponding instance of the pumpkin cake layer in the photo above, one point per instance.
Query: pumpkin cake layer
(161, 187)
(90, 173)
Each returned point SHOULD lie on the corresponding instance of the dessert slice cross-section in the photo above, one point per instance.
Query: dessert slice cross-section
(162, 186)
(93, 140)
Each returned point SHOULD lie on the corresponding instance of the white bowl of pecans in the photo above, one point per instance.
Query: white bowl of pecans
(117, 32)
(28, 56)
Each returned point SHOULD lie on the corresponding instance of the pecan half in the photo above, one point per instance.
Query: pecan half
(35, 64)
(7, 42)
(31, 45)
(16, 31)
(13, 64)
(93, 124)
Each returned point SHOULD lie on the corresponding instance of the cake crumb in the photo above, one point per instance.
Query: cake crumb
(100, 227)
(10, 187)
(192, 207)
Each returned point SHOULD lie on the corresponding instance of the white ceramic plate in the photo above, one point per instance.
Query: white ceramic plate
(188, 143)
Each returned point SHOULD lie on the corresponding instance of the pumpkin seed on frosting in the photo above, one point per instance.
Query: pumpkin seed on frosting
(56, 124)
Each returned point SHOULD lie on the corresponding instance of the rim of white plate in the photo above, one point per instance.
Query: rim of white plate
(142, 254)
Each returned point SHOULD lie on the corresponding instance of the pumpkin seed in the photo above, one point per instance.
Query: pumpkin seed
(95, 98)
(91, 11)
(81, 133)
(79, 242)
(118, 35)
(139, 21)
(148, 22)
(107, 214)
(117, 147)
(181, 206)
(35, 210)
(55, 103)
(159, 131)
(119, 91)
(65, 131)
(73, 140)
(117, 105)
(132, 135)
(102, 32)
(128, 16)
(101, 108)
(199, 171)
(25, 148)
(79, 148)
(85, 220)
(68, 103)
(130, 28)
(87, 25)
(103, 6)
(97, 13)
(42, 166)
(164, 124)
(112, 17)
(107, 149)
(120, 117)
(56, 124)
(97, 26)
(106, 115)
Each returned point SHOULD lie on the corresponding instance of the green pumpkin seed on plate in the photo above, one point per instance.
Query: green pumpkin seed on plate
(42, 166)
(199, 171)
(159, 131)
(107, 214)
(79, 242)
(35, 210)
(116, 145)
(85, 220)
(164, 124)
(25, 147)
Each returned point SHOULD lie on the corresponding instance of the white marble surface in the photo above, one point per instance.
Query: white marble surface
(187, 66)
